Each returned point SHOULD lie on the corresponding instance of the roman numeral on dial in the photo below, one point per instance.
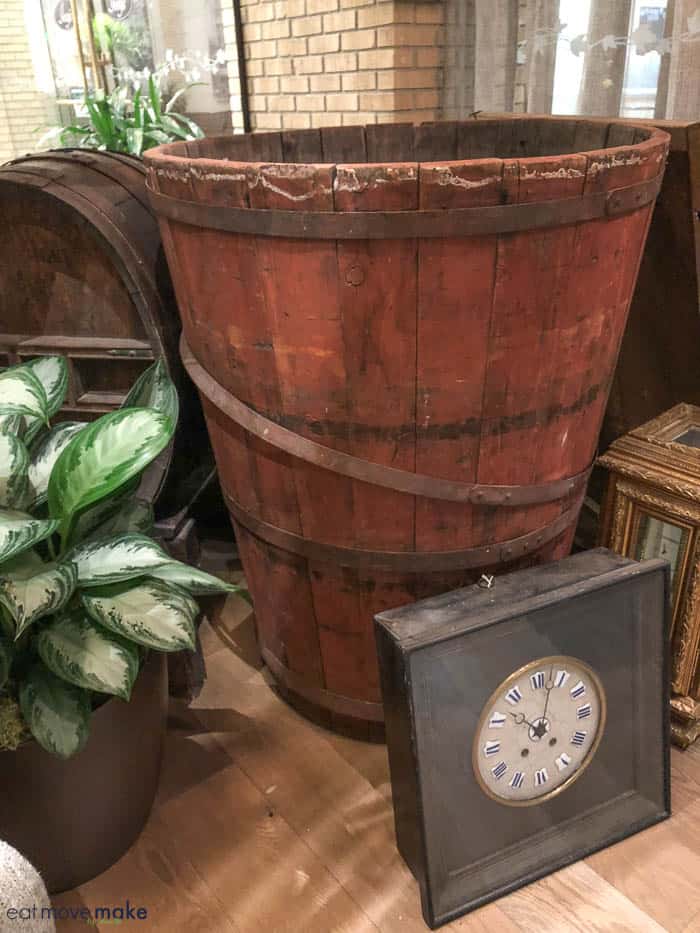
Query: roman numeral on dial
(497, 721)
(561, 678)
(537, 680)
(517, 780)
(578, 690)
(514, 696)
(578, 738)
(499, 770)
(492, 748)
(583, 712)
(541, 777)
(563, 761)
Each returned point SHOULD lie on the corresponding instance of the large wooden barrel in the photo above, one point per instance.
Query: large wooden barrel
(404, 338)
(82, 273)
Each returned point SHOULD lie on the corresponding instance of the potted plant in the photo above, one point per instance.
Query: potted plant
(88, 605)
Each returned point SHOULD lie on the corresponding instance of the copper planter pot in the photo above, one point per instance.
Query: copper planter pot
(73, 819)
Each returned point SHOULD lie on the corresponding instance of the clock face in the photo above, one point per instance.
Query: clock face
(539, 731)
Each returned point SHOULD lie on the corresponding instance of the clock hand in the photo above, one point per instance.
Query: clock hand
(549, 690)
(523, 721)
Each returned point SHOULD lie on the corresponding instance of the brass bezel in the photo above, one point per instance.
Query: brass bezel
(504, 686)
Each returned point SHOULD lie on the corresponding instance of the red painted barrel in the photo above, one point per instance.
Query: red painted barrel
(404, 337)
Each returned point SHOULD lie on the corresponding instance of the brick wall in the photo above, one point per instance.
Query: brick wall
(329, 62)
(23, 106)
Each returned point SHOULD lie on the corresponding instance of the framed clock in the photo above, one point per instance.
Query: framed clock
(527, 723)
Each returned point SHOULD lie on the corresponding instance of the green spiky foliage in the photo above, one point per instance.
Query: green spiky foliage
(85, 593)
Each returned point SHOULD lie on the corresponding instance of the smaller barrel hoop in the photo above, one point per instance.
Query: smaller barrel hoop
(472, 558)
(368, 225)
(377, 474)
(335, 702)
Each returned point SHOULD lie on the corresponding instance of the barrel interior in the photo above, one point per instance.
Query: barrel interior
(426, 142)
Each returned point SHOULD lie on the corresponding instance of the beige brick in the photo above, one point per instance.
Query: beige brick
(428, 58)
(324, 82)
(429, 13)
(325, 119)
(359, 39)
(404, 35)
(276, 29)
(342, 101)
(346, 4)
(321, 6)
(279, 102)
(361, 117)
(379, 14)
(337, 22)
(266, 121)
(377, 100)
(294, 84)
(265, 85)
(266, 49)
(278, 66)
(251, 33)
(297, 46)
(296, 121)
(310, 102)
(289, 8)
(324, 43)
(359, 81)
(311, 64)
(255, 68)
(259, 13)
(416, 100)
(341, 61)
(307, 26)
(408, 78)
(379, 58)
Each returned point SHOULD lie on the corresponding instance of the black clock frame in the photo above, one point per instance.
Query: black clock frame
(440, 660)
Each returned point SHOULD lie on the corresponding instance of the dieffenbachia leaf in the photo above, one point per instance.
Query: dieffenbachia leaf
(12, 424)
(19, 531)
(103, 458)
(21, 393)
(86, 655)
(133, 516)
(112, 560)
(57, 713)
(100, 513)
(151, 613)
(5, 662)
(30, 589)
(52, 373)
(154, 389)
(194, 581)
(14, 461)
(44, 457)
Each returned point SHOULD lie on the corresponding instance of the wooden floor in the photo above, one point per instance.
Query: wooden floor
(265, 823)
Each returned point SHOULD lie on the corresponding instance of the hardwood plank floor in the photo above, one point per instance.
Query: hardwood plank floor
(265, 823)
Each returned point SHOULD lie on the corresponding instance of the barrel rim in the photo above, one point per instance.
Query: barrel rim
(177, 157)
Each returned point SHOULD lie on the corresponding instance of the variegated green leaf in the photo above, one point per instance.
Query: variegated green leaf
(5, 662)
(57, 713)
(100, 513)
(12, 424)
(103, 458)
(112, 560)
(87, 655)
(151, 613)
(31, 589)
(21, 393)
(19, 531)
(52, 373)
(135, 516)
(14, 461)
(194, 581)
(33, 427)
(154, 389)
(44, 457)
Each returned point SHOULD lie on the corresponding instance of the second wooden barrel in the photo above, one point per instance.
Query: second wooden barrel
(404, 338)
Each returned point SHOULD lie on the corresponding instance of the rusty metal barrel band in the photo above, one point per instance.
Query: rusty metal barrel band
(387, 225)
(473, 558)
(377, 474)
